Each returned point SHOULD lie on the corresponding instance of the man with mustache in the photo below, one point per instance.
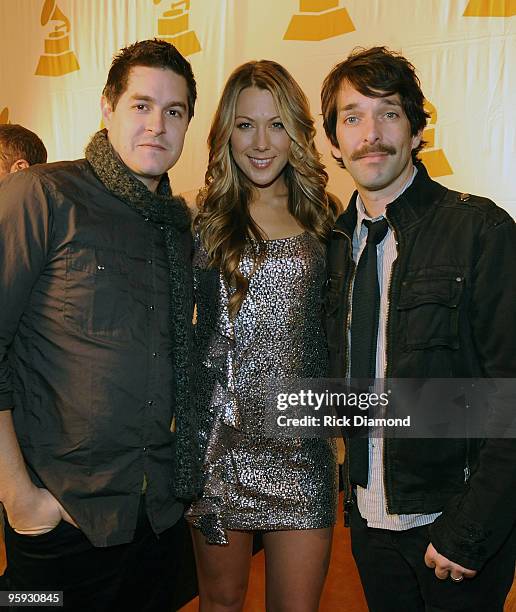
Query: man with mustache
(96, 432)
(421, 284)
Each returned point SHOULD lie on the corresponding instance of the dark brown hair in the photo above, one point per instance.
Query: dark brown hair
(153, 54)
(17, 142)
(376, 73)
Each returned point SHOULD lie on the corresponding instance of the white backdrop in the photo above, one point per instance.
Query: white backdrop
(54, 57)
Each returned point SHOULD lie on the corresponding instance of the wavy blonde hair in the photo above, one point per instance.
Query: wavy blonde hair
(224, 222)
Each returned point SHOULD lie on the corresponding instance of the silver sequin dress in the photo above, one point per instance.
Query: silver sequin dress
(252, 482)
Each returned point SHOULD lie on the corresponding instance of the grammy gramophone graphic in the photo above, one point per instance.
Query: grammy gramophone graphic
(490, 8)
(319, 20)
(173, 27)
(4, 116)
(58, 58)
(434, 159)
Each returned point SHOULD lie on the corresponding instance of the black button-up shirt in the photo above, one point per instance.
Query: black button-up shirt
(84, 348)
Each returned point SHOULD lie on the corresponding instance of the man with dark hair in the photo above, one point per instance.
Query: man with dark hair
(97, 444)
(153, 54)
(426, 275)
(19, 149)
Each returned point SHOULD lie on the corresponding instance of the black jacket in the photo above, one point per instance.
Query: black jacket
(452, 305)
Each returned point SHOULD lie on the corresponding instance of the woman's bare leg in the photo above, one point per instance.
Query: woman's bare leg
(223, 571)
(296, 567)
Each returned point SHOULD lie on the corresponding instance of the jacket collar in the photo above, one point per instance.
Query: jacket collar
(413, 204)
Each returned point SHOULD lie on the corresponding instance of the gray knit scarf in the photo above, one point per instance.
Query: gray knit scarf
(172, 213)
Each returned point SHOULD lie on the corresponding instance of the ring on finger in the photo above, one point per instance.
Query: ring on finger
(458, 578)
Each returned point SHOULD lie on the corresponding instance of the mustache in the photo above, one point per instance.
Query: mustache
(379, 148)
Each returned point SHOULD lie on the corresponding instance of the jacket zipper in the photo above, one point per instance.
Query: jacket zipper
(467, 471)
(348, 492)
(387, 346)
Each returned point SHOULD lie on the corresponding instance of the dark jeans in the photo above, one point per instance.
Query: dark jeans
(139, 576)
(395, 578)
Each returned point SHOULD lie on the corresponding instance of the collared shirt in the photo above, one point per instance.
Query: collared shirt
(371, 500)
(85, 346)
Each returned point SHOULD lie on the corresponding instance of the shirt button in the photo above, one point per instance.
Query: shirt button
(146, 218)
(150, 402)
(100, 267)
(149, 261)
(151, 307)
(154, 355)
(144, 449)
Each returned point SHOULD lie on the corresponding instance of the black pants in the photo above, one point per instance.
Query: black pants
(395, 578)
(139, 576)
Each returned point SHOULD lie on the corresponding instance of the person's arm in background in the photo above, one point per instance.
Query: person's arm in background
(24, 231)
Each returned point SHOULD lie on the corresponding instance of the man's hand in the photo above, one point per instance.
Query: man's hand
(444, 567)
(30, 510)
(36, 513)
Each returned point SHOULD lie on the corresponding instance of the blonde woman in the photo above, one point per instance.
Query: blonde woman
(259, 269)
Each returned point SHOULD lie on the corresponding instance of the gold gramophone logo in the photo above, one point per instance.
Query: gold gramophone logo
(173, 26)
(434, 159)
(318, 20)
(490, 8)
(58, 58)
(4, 116)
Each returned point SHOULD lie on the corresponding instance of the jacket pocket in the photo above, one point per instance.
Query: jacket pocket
(97, 291)
(429, 312)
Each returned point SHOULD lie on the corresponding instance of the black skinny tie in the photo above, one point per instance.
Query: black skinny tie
(366, 304)
(364, 332)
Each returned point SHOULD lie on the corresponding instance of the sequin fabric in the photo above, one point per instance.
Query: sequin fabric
(252, 482)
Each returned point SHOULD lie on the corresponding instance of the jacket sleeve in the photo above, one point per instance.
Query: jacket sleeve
(476, 523)
(24, 240)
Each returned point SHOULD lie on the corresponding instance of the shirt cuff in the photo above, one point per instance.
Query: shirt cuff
(6, 401)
